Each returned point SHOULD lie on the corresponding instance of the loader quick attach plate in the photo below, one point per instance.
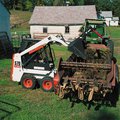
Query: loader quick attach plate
(78, 48)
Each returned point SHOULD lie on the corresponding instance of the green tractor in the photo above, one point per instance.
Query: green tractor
(98, 34)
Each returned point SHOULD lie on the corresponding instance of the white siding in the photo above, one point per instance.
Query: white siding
(4, 20)
(74, 30)
(113, 23)
(107, 20)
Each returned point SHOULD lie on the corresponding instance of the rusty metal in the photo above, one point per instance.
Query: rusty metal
(97, 46)
(61, 92)
(114, 76)
(88, 77)
(85, 65)
(80, 93)
(91, 82)
(111, 73)
(91, 94)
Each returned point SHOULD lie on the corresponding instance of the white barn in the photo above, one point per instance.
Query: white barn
(65, 20)
(4, 19)
(108, 17)
(114, 21)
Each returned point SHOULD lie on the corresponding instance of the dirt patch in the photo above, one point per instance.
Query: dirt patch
(60, 54)
(14, 19)
(4, 73)
(36, 96)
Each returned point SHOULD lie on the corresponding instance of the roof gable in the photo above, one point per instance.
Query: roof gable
(62, 14)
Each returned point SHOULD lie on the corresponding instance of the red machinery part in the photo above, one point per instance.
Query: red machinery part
(28, 83)
(12, 67)
(56, 81)
(47, 85)
(97, 33)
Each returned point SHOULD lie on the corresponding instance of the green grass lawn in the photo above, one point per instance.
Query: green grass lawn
(17, 103)
(114, 32)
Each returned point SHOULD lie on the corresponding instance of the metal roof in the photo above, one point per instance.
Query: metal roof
(116, 18)
(59, 15)
(106, 14)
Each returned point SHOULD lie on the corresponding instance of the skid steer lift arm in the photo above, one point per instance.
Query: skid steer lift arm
(42, 43)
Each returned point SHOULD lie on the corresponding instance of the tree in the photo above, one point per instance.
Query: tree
(48, 2)
(37, 2)
(79, 2)
(10, 4)
(29, 5)
(89, 2)
(116, 8)
(105, 5)
(58, 2)
(22, 4)
(7, 3)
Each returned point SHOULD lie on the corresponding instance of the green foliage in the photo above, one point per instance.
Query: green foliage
(105, 5)
(89, 2)
(114, 32)
(113, 5)
(116, 7)
(58, 2)
(48, 2)
(29, 5)
(79, 2)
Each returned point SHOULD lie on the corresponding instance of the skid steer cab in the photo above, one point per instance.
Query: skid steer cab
(34, 65)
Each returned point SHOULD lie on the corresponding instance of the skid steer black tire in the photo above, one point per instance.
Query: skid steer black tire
(28, 81)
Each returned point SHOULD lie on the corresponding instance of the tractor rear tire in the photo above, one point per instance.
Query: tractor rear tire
(46, 84)
(116, 91)
(110, 44)
(117, 73)
(28, 81)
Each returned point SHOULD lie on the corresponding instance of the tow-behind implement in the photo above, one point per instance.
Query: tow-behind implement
(90, 72)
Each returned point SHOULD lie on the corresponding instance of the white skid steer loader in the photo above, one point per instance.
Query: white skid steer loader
(35, 65)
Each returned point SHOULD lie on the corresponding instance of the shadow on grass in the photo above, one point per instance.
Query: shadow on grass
(103, 115)
(7, 112)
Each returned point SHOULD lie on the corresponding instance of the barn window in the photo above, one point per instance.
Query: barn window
(67, 29)
(45, 30)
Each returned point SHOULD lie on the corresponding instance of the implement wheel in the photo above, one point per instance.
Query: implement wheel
(115, 94)
(28, 81)
(47, 84)
(110, 44)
